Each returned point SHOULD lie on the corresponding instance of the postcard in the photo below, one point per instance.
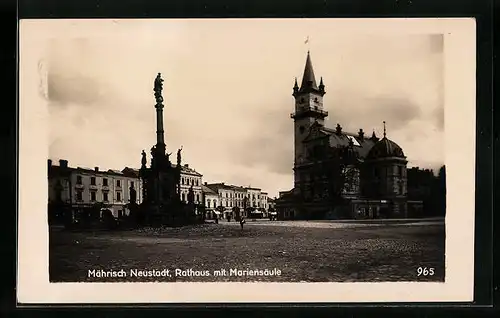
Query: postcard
(246, 160)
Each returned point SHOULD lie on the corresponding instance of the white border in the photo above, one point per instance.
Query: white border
(33, 280)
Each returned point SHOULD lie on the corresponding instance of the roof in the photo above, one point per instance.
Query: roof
(207, 190)
(186, 169)
(216, 186)
(385, 148)
(239, 188)
(116, 172)
(250, 188)
(131, 172)
(55, 170)
(337, 138)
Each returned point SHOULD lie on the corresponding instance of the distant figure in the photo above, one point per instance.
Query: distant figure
(242, 221)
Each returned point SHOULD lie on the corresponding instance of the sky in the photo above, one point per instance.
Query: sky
(227, 90)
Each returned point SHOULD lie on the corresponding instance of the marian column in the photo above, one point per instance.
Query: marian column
(160, 139)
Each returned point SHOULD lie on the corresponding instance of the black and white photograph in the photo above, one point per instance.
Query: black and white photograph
(250, 151)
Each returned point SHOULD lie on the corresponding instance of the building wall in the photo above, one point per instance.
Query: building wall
(239, 197)
(226, 197)
(211, 200)
(253, 196)
(194, 180)
(107, 188)
(263, 201)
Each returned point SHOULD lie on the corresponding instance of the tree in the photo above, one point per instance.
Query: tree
(441, 191)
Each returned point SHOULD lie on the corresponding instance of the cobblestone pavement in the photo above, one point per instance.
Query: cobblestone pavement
(302, 251)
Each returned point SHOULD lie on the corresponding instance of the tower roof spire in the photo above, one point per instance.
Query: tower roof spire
(384, 130)
(308, 79)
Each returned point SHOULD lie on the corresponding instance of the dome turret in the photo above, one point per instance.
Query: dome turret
(385, 148)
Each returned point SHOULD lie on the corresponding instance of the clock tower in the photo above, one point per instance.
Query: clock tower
(308, 110)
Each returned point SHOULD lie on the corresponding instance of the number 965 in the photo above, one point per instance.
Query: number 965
(424, 271)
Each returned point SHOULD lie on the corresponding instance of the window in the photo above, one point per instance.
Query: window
(105, 182)
(120, 213)
(208, 203)
(92, 180)
(79, 196)
(198, 198)
(92, 195)
(400, 171)
(132, 184)
(105, 196)
(182, 180)
(118, 196)
(192, 181)
(183, 197)
(78, 179)
(118, 183)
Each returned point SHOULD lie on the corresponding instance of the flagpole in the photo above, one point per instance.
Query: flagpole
(308, 45)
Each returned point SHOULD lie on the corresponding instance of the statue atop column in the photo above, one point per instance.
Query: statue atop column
(143, 160)
(158, 87)
(179, 157)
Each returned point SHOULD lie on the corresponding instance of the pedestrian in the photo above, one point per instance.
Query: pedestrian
(242, 221)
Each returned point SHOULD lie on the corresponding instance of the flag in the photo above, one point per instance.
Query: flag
(307, 40)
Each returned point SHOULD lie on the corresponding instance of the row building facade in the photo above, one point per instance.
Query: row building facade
(221, 199)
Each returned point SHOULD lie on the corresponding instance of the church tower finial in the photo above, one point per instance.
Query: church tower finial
(384, 130)
(295, 87)
(308, 79)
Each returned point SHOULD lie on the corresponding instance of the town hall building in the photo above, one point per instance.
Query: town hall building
(373, 170)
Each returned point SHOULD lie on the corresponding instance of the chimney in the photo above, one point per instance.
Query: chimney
(206, 183)
(63, 163)
(186, 165)
(96, 169)
(361, 134)
(49, 163)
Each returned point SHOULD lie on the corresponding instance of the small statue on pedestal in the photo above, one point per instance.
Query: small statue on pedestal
(179, 157)
(143, 160)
